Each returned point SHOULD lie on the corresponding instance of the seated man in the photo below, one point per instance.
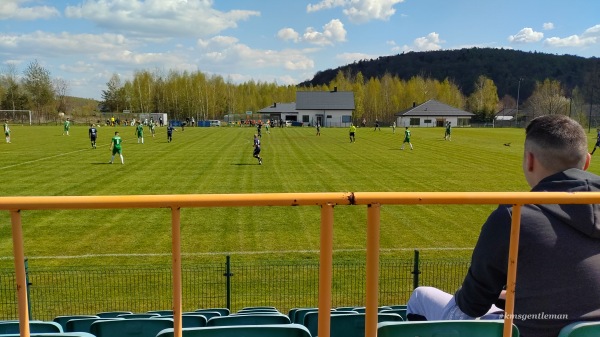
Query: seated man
(558, 276)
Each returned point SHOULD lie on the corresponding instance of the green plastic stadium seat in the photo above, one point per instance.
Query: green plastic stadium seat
(34, 326)
(132, 316)
(135, 327)
(260, 308)
(83, 324)
(344, 308)
(361, 310)
(275, 330)
(300, 313)
(581, 329)
(62, 320)
(349, 325)
(161, 312)
(257, 319)
(112, 314)
(222, 311)
(207, 314)
(401, 312)
(189, 321)
(398, 306)
(311, 320)
(52, 334)
(479, 328)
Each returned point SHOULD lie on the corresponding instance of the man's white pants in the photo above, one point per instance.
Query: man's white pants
(435, 304)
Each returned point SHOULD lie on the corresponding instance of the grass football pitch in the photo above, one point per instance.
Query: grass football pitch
(42, 161)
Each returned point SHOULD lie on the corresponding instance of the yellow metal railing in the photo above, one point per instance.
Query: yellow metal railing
(327, 202)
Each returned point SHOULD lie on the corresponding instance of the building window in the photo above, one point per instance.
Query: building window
(305, 118)
(415, 121)
(346, 119)
(464, 121)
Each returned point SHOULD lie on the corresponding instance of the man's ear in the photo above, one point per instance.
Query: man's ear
(529, 161)
(588, 160)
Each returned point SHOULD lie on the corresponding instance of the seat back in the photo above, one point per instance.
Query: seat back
(348, 324)
(257, 319)
(83, 324)
(300, 312)
(112, 314)
(222, 311)
(189, 321)
(135, 327)
(207, 314)
(34, 326)
(311, 320)
(52, 334)
(131, 316)
(62, 320)
(271, 330)
(401, 312)
(479, 328)
(161, 312)
(581, 329)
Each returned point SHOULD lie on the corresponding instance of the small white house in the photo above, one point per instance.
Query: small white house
(433, 114)
(328, 108)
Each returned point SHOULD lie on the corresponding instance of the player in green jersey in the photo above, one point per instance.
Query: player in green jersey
(406, 139)
(139, 131)
(6, 131)
(448, 134)
(115, 147)
(66, 127)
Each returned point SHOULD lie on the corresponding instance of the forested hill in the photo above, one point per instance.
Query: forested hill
(464, 66)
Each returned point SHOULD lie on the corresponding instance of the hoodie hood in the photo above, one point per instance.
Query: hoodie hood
(584, 218)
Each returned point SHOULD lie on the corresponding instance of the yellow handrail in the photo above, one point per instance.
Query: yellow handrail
(327, 201)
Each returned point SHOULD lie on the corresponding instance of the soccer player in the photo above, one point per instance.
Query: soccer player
(6, 131)
(597, 140)
(352, 133)
(170, 130)
(153, 129)
(406, 139)
(256, 153)
(93, 133)
(66, 127)
(139, 132)
(448, 134)
(115, 147)
(394, 127)
(318, 129)
(258, 129)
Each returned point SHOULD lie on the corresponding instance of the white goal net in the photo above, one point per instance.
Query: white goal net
(16, 116)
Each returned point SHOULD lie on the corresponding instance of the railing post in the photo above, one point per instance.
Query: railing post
(228, 276)
(28, 284)
(373, 226)
(325, 271)
(19, 256)
(176, 259)
(416, 270)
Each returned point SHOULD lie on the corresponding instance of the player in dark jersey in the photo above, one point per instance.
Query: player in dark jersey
(256, 153)
(170, 130)
(93, 133)
(597, 140)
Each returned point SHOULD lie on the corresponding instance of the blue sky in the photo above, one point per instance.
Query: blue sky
(85, 42)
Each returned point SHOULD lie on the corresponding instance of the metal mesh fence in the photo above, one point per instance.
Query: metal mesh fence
(54, 291)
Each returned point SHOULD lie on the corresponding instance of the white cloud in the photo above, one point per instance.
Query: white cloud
(526, 35)
(159, 18)
(287, 34)
(62, 44)
(13, 9)
(359, 11)
(589, 37)
(332, 33)
(227, 53)
(430, 42)
(548, 26)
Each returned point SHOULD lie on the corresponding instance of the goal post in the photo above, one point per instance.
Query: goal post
(23, 116)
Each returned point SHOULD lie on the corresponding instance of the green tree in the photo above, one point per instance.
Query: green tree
(484, 99)
(38, 84)
(547, 99)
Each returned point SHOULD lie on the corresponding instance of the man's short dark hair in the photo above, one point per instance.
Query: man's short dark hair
(557, 141)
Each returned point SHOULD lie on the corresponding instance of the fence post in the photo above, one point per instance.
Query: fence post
(416, 270)
(228, 275)
(28, 284)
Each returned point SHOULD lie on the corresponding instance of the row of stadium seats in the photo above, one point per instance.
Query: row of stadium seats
(267, 322)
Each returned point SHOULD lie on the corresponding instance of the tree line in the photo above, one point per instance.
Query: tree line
(378, 95)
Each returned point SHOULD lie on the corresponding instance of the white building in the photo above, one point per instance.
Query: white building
(328, 108)
(431, 114)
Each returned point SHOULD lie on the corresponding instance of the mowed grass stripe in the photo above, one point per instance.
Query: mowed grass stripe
(41, 161)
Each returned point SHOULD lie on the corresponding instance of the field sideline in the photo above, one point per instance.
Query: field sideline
(41, 161)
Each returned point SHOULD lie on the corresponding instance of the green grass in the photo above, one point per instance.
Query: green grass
(40, 161)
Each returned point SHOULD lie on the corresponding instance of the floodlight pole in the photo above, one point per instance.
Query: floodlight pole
(518, 94)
